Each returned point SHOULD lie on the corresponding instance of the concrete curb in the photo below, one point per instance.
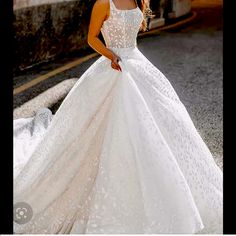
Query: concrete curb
(58, 70)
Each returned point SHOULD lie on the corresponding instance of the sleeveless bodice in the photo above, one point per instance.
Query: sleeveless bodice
(122, 26)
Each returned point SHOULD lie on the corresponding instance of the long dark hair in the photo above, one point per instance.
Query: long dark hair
(144, 6)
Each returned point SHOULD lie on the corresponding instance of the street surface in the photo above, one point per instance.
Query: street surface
(190, 57)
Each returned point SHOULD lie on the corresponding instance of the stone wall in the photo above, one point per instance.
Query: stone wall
(181, 7)
(29, 3)
(44, 31)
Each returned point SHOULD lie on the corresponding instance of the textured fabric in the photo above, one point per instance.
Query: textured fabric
(121, 154)
(121, 28)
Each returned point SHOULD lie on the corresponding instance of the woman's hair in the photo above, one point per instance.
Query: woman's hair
(147, 12)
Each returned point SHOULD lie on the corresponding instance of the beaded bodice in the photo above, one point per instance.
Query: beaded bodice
(122, 26)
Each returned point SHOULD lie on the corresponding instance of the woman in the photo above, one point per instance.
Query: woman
(121, 154)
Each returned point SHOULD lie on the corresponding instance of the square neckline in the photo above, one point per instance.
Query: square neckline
(124, 9)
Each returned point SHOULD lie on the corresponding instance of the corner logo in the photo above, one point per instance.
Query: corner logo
(22, 212)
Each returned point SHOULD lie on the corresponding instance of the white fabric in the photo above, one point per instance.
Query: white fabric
(121, 154)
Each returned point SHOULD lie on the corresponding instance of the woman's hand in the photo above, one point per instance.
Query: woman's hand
(115, 62)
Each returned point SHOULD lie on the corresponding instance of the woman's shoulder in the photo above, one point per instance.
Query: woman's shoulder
(102, 3)
(101, 7)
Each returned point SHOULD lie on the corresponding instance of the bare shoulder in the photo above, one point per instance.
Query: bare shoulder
(102, 4)
(101, 8)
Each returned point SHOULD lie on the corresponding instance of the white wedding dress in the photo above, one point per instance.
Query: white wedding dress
(121, 154)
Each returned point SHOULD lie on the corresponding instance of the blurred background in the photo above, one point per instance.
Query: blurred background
(184, 41)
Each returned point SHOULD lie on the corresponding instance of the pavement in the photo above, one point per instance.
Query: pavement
(189, 54)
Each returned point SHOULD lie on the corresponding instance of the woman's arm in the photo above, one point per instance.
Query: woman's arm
(99, 14)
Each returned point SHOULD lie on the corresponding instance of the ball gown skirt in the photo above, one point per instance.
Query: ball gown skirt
(121, 155)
